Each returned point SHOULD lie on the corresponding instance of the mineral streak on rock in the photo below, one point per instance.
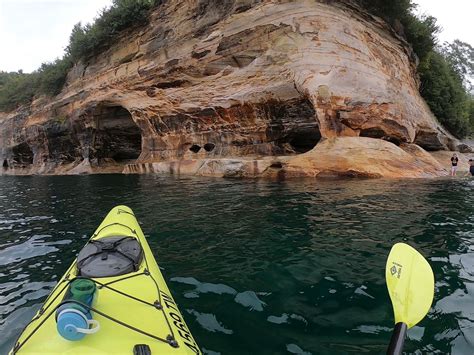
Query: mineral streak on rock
(236, 88)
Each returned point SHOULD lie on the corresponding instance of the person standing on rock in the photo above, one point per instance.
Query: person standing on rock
(471, 167)
(454, 164)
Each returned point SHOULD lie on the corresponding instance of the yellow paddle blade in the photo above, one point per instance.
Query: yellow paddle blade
(410, 283)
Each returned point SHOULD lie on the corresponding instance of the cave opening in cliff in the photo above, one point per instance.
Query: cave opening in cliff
(378, 133)
(22, 155)
(116, 136)
(195, 148)
(293, 127)
(209, 147)
(5, 164)
(303, 140)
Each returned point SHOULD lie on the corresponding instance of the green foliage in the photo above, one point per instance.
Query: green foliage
(461, 57)
(16, 89)
(421, 33)
(52, 76)
(87, 41)
(443, 91)
(389, 10)
(78, 41)
(471, 112)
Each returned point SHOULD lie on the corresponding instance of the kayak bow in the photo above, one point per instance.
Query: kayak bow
(129, 311)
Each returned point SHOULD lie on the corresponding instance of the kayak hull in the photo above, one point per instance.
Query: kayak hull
(132, 309)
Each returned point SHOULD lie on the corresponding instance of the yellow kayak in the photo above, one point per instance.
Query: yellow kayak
(112, 300)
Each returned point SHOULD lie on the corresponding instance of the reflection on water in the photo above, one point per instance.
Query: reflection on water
(256, 267)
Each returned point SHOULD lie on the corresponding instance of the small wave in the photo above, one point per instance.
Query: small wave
(205, 287)
(251, 300)
(35, 246)
(295, 349)
(24, 220)
(372, 329)
(285, 318)
(209, 322)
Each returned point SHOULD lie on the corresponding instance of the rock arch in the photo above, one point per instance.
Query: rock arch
(303, 140)
(379, 133)
(115, 135)
(22, 155)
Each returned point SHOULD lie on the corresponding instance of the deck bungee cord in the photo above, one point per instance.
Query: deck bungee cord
(157, 305)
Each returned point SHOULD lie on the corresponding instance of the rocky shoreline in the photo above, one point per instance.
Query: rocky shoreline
(273, 89)
(369, 160)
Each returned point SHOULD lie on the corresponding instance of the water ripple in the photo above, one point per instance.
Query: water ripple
(256, 266)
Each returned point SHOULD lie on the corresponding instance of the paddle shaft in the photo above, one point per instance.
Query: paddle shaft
(398, 339)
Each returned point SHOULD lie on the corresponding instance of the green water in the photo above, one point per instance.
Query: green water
(256, 267)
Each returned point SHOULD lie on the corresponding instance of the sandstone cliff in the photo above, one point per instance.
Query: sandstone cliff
(237, 88)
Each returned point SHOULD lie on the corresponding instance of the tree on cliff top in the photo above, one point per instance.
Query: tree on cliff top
(16, 89)
(443, 91)
(85, 42)
(461, 57)
(90, 40)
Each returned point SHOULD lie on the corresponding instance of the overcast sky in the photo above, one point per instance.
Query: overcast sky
(37, 31)
(454, 16)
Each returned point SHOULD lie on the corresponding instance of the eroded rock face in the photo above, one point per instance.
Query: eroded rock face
(365, 157)
(210, 80)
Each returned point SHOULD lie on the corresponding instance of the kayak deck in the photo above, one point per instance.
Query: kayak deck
(135, 308)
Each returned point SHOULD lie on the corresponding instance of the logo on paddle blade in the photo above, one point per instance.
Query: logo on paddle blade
(396, 270)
